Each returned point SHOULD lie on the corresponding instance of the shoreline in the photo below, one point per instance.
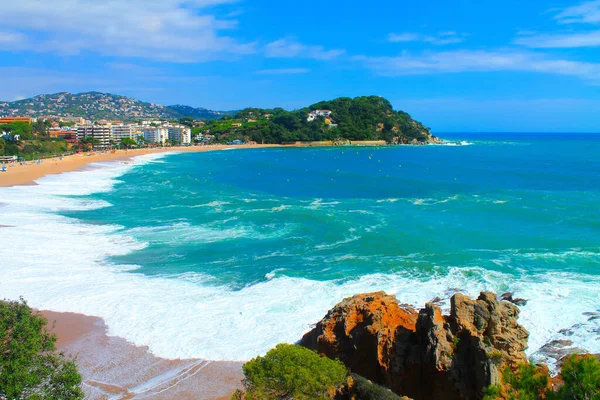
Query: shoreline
(112, 367)
(21, 175)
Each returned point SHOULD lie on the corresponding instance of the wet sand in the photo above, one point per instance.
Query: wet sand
(17, 174)
(113, 368)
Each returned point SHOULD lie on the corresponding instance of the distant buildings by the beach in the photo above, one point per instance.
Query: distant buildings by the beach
(158, 134)
(103, 134)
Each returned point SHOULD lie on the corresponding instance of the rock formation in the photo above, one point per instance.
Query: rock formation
(424, 355)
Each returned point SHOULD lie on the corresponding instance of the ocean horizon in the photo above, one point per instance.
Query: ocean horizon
(222, 255)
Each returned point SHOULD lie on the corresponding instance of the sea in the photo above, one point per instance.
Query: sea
(222, 255)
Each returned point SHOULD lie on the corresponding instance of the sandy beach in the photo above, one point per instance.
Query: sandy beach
(113, 368)
(17, 174)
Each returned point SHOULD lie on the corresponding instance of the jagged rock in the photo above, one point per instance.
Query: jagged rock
(361, 331)
(508, 296)
(425, 355)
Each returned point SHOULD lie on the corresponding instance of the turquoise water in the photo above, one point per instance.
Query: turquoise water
(518, 204)
(221, 255)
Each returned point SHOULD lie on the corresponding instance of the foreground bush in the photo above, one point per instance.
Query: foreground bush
(580, 377)
(30, 366)
(363, 389)
(292, 372)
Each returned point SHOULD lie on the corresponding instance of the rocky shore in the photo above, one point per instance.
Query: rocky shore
(424, 354)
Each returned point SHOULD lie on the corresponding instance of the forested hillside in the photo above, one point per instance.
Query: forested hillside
(361, 118)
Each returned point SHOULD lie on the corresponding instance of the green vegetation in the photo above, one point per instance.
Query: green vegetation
(88, 143)
(30, 367)
(23, 129)
(30, 144)
(34, 149)
(128, 143)
(292, 372)
(361, 118)
(364, 389)
(580, 375)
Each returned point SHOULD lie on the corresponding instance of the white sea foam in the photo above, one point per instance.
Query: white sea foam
(460, 143)
(60, 264)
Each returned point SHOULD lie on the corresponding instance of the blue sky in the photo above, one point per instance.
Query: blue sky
(457, 65)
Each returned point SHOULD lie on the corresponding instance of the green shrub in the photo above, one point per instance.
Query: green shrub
(292, 372)
(364, 389)
(581, 376)
(30, 367)
(528, 383)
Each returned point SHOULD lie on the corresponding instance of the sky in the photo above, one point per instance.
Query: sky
(456, 65)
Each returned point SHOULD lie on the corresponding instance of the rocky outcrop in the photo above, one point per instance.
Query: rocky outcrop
(427, 138)
(424, 355)
(361, 331)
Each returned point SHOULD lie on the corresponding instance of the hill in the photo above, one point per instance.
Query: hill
(343, 119)
(95, 105)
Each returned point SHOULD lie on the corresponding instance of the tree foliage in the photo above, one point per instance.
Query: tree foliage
(30, 366)
(580, 376)
(128, 143)
(23, 129)
(360, 118)
(292, 372)
(363, 389)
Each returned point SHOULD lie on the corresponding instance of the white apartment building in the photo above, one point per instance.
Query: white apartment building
(124, 131)
(101, 132)
(180, 134)
(156, 134)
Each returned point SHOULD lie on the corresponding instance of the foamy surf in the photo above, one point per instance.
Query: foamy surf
(62, 264)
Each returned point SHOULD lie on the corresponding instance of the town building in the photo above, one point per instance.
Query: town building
(103, 133)
(180, 134)
(10, 120)
(156, 135)
(123, 131)
(68, 135)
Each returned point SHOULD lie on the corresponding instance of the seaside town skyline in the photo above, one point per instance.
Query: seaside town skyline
(461, 66)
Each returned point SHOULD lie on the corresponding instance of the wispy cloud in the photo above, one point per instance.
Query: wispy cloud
(283, 71)
(133, 68)
(479, 61)
(568, 40)
(170, 30)
(12, 39)
(441, 38)
(290, 48)
(587, 12)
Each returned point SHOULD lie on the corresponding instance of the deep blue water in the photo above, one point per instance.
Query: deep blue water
(516, 203)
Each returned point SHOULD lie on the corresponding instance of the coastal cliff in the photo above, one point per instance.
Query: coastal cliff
(423, 354)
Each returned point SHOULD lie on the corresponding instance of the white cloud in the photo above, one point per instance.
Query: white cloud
(568, 40)
(289, 48)
(442, 38)
(12, 39)
(587, 12)
(478, 61)
(283, 71)
(403, 37)
(171, 30)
